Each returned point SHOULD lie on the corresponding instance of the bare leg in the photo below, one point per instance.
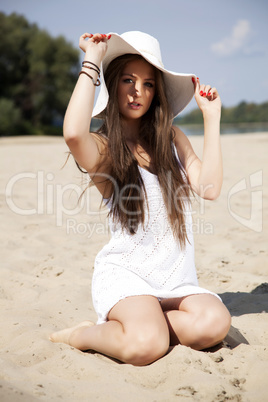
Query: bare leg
(63, 336)
(199, 321)
(136, 332)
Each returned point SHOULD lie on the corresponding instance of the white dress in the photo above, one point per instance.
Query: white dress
(149, 262)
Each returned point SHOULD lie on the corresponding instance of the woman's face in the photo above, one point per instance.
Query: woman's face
(136, 89)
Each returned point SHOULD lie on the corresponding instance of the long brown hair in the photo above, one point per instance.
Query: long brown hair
(156, 132)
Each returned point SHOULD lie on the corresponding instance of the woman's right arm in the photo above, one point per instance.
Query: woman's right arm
(85, 147)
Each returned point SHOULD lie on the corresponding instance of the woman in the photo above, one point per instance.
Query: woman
(144, 287)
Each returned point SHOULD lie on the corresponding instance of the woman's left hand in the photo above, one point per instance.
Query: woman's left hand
(207, 98)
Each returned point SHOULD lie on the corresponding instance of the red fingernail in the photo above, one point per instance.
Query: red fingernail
(209, 94)
(204, 94)
(201, 93)
(193, 80)
(91, 35)
(197, 78)
(109, 36)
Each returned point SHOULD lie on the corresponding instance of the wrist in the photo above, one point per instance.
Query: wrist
(214, 115)
(93, 58)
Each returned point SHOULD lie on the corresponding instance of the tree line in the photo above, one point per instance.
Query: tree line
(242, 113)
(37, 76)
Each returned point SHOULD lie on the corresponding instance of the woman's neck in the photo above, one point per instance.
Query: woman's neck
(131, 130)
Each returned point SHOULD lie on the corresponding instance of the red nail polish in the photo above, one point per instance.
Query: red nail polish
(209, 94)
(197, 78)
(109, 36)
(193, 80)
(204, 94)
(201, 93)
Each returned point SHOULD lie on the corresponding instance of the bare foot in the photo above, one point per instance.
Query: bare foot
(63, 336)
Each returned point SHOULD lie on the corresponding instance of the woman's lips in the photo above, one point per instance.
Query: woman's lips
(135, 105)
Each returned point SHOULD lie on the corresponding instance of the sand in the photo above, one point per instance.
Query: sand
(48, 246)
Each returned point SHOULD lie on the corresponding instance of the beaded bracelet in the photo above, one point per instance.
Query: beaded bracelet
(89, 62)
(96, 83)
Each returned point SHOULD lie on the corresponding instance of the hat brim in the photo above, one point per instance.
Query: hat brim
(179, 87)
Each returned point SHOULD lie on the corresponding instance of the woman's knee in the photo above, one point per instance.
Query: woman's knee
(213, 327)
(221, 322)
(145, 346)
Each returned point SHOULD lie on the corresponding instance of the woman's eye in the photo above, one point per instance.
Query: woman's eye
(128, 80)
(149, 84)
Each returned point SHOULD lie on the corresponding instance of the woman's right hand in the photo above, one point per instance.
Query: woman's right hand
(94, 44)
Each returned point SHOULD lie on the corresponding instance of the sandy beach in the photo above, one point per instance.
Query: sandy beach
(48, 245)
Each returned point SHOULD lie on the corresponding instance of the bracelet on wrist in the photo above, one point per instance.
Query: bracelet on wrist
(92, 68)
(89, 62)
(95, 83)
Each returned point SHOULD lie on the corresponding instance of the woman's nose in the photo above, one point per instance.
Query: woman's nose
(137, 89)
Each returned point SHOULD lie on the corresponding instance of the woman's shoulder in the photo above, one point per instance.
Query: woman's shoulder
(179, 139)
(178, 134)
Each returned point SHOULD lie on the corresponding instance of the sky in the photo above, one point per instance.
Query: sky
(223, 42)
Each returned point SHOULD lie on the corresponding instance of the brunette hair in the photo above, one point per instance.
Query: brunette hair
(156, 132)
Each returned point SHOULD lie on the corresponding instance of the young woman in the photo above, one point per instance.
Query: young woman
(144, 286)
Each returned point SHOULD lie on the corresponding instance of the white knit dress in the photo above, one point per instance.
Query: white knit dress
(149, 262)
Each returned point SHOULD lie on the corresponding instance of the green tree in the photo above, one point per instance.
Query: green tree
(37, 72)
(242, 113)
(10, 117)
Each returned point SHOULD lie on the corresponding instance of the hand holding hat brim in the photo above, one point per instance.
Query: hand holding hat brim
(179, 87)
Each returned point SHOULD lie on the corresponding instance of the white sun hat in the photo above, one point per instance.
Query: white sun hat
(179, 87)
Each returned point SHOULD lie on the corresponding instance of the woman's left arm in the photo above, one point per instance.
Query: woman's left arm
(205, 176)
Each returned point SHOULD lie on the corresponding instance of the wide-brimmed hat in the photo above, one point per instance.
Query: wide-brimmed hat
(179, 87)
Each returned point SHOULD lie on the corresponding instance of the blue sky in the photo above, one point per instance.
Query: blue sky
(224, 42)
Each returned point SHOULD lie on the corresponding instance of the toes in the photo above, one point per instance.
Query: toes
(63, 336)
